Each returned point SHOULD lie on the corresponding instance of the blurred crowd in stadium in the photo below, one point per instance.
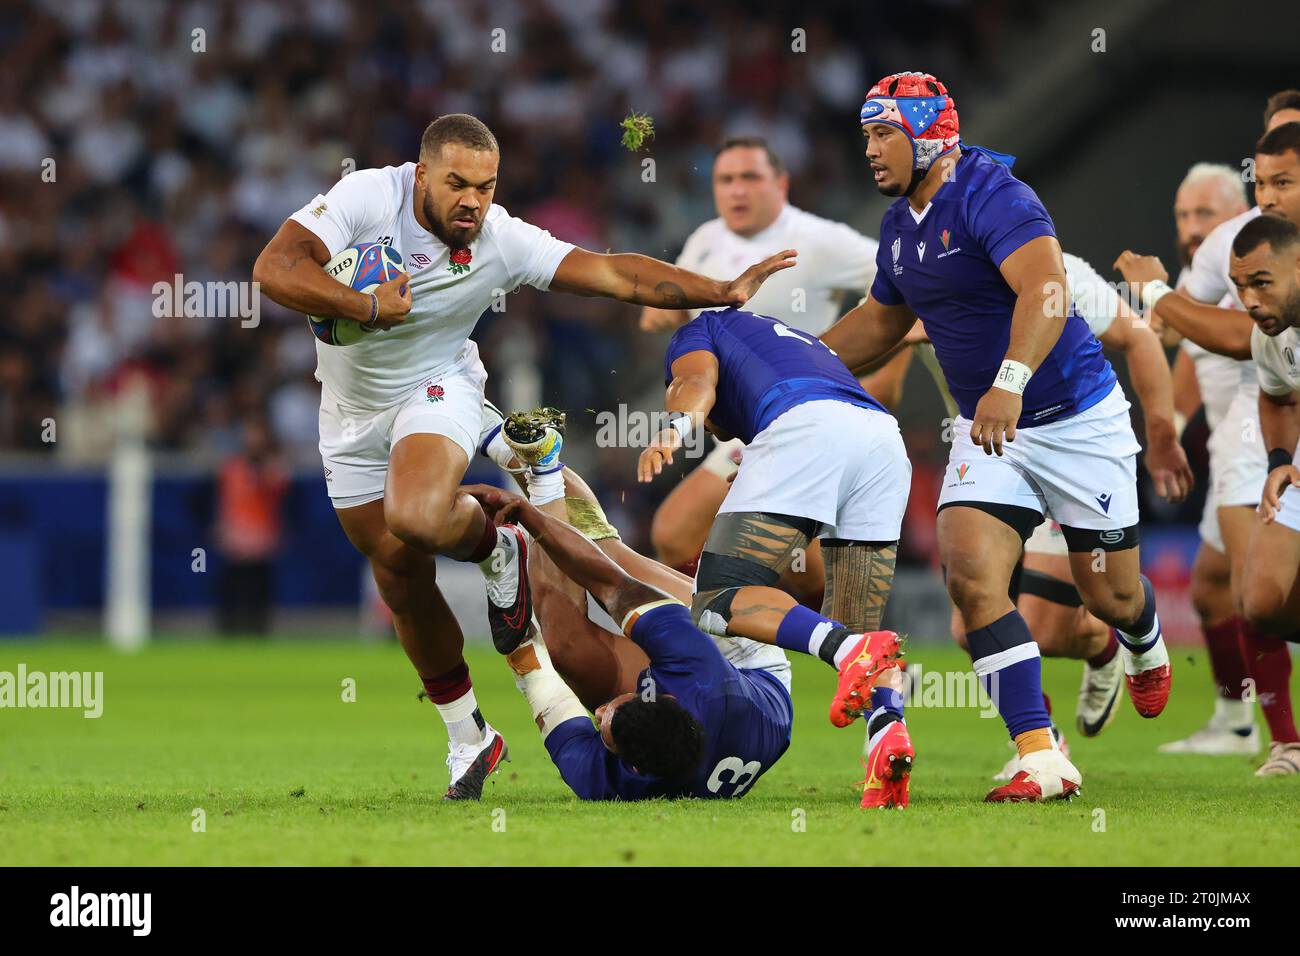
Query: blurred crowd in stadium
(144, 140)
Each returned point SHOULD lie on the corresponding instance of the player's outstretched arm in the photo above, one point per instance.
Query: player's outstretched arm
(868, 335)
(642, 280)
(691, 394)
(1165, 459)
(613, 588)
(289, 271)
(1224, 331)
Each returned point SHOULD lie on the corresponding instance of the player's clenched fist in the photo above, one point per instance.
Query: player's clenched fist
(995, 420)
(657, 454)
(1274, 485)
(394, 297)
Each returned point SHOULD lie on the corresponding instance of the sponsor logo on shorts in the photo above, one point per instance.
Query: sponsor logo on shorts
(1112, 537)
(435, 393)
(1104, 501)
(328, 474)
(962, 470)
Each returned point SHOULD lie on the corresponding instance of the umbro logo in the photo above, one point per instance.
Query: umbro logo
(1104, 501)
(419, 260)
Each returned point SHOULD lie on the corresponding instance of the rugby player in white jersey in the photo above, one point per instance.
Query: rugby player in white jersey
(1237, 441)
(403, 410)
(1266, 272)
(755, 218)
(1209, 195)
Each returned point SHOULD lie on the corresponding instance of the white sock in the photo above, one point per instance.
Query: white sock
(501, 453)
(543, 489)
(818, 637)
(1233, 714)
(852, 642)
(465, 725)
(1140, 644)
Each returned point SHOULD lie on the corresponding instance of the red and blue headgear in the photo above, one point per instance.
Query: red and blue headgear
(919, 105)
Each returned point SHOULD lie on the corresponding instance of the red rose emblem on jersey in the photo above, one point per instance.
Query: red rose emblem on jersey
(459, 261)
(435, 393)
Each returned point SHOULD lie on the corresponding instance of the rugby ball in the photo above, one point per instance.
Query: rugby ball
(362, 268)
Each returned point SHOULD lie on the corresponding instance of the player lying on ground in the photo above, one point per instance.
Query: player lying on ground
(601, 666)
(972, 252)
(794, 404)
(402, 410)
(1194, 312)
(675, 718)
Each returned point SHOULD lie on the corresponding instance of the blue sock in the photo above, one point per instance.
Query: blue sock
(806, 631)
(1008, 664)
(886, 707)
(1143, 633)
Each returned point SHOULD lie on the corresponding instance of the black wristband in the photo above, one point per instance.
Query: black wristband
(1278, 457)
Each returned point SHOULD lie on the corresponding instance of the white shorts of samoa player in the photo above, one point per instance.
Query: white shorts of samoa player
(1082, 470)
(355, 442)
(839, 464)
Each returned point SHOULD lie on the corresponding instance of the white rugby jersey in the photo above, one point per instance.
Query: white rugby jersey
(1218, 377)
(1275, 359)
(375, 205)
(1207, 280)
(1093, 297)
(833, 259)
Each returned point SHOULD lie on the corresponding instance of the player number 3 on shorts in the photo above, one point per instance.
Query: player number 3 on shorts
(737, 773)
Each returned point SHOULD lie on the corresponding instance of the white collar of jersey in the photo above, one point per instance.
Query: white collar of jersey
(918, 216)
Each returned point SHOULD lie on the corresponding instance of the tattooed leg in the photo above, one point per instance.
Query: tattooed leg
(859, 577)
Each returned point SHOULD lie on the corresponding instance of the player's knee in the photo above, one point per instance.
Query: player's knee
(1264, 606)
(416, 524)
(972, 590)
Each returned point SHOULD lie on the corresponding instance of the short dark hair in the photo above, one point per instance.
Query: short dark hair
(459, 128)
(1279, 233)
(658, 737)
(1280, 140)
(752, 142)
(1281, 100)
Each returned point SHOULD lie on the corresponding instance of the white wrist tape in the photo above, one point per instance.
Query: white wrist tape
(1012, 376)
(681, 423)
(1153, 292)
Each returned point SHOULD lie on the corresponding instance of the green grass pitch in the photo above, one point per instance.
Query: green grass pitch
(285, 771)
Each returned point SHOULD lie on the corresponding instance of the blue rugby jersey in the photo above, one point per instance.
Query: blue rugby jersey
(764, 368)
(945, 268)
(747, 715)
